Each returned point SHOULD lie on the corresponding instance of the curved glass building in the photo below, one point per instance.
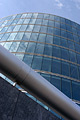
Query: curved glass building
(49, 44)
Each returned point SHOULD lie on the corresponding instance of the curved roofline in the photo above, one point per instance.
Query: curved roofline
(40, 13)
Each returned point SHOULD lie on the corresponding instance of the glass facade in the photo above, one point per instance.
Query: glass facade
(49, 44)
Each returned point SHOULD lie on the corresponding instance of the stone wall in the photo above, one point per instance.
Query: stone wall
(15, 105)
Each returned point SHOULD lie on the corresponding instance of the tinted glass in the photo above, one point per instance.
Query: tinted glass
(75, 90)
(46, 64)
(66, 87)
(31, 47)
(48, 50)
(64, 54)
(56, 66)
(28, 59)
(56, 51)
(74, 71)
(22, 47)
(39, 48)
(36, 63)
(65, 68)
(56, 81)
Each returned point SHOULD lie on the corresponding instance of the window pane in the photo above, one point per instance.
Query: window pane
(44, 22)
(31, 47)
(26, 21)
(56, 66)
(78, 32)
(37, 61)
(79, 71)
(63, 33)
(23, 15)
(63, 26)
(41, 37)
(56, 81)
(34, 37)
(68, 21)
(9, 22)
(62, 20)
(26, 36)
(40, 15)
(72, 56)
(34, 15)
(57, 24)
(28, 59)
(51, 23)
(50, 30)
(43, 29)
(36, 28)
(74, 30)
(38, 21)
(20, 21)
(64, 42)
(13, 16)
(56, 18)
(77, 47)
(23, 27)
(30, 27)
(76, 38)
(46, 64)
(10, 28)
(71, 45)
(12, 36)
(14, 46)
(49, 39)
(8, 45)
(69, 35)
(4, 29)
(57, 31)
(69, 28)
(46, 16)
(5, 37)
(76, 90)
(64, 54)
(74, 71)
(17, 27)
(22, 47)
(15, 21)
(78, 58)
(29, 15)
(56, 40)
(18, 16)
(56, 51)
(32, 21)
(19, 36)
(48, 50)
(51, 17)
(66, 87)
(65, 68)
(74, 24)
(4, 23)
(39, 48)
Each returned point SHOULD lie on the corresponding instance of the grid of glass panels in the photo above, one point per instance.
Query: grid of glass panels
(52, 41)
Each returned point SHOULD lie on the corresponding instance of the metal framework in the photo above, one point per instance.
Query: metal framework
(36, 85)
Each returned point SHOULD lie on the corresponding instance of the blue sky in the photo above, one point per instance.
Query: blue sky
(66, 8)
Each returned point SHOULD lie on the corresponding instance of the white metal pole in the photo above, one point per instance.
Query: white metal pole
(35, 84)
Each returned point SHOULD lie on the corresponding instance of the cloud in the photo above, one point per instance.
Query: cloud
(59, 4)
(77, 3)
